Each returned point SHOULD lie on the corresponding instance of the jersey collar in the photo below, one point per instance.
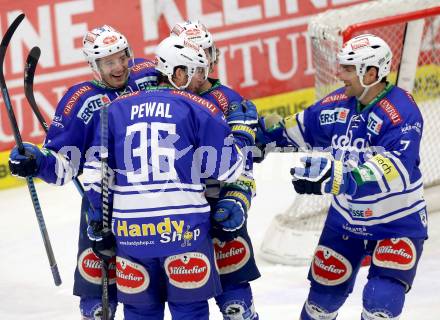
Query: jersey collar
(215, 83)
(102, 85)
(361, 108)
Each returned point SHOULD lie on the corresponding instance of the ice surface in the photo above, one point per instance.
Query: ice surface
(27, 290)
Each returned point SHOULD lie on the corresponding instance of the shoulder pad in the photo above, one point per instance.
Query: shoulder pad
(75, 95)
(198, 100)
(410, 97)
(143, 65)
(334, 97)
(128, 95)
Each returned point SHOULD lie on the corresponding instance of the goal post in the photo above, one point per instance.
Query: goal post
(412, 29)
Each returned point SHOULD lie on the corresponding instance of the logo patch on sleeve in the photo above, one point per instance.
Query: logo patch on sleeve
(74, 99)
(142, 66)
(89, 267)
(199, 100)
(417, 127)
(329, 267)
(145, 82)
(374, 123)
(334, 98)
(189, 270)
(395, 253)
(131, 277)
(391, 111)
(332, 116)
(231, 255)
(91, 105)
(222, 100)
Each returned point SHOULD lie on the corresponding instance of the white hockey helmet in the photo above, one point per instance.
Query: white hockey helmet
(176, 51)
(364, 51)
(102, 42)
(196, 32)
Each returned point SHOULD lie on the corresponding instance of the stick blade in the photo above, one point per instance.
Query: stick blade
(4, 45)
(14, 25)
(31, 65)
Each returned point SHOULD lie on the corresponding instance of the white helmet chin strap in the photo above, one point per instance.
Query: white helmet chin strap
(190, 76)
(366, 87)
(364, 93)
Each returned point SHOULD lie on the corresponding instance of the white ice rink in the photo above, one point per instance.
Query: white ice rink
(27, 290)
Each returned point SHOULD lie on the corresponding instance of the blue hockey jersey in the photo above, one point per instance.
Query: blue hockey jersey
(382, 142)
(71, 132)
(223, 97)
(162, 145)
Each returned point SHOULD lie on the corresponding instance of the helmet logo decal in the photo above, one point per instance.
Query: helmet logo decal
(193, 32)
(191, 45)
(360, 44)
(177, 30)
(90, 37)
(110, 39)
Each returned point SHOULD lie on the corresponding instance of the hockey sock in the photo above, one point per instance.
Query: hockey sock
(383, 298)
(236, 302)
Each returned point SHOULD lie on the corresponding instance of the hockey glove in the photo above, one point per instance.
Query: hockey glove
(242, 117)
(320, 175)
(270, 128)
(231, 210)
(27, 164)
(242, 113)
(103, 241)
(269, 134)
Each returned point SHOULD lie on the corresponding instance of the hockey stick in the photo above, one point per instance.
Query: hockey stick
(105, 208)
(284, 149)
(19, 142)
(31, 65)
(29, 73)
(260, 152)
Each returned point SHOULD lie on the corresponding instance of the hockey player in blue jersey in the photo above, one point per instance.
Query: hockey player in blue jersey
(234, 251)
(70, 135)
(373, 131)
(163, 144)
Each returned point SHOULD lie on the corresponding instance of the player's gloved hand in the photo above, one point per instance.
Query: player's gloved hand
(229, 214)
(320, 175)
(259, 152)
(242, 113)
(91, 307)
(270, 128)
(242, 117)
(27, 164)
(103, 240)
(231, 210)
(269, 134)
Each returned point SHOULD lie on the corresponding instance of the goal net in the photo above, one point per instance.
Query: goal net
(412, 29)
